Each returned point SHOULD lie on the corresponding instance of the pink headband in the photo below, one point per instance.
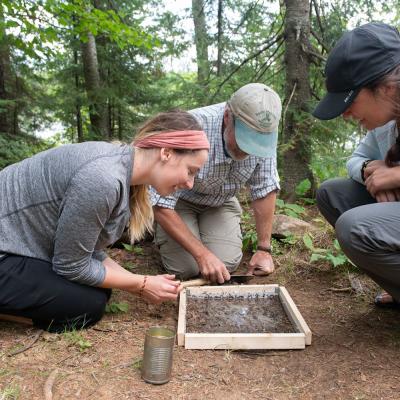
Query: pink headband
(191, 140)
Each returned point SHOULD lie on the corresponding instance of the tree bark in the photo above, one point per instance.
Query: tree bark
(219, 37)
(296, 139)
(110, 121)
(7, 107)
(97, 105)
(120, 130)
(78, 115)
(201, 39)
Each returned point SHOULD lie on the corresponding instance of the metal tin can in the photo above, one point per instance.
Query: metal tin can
(157, 357)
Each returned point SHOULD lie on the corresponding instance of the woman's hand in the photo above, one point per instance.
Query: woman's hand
(156, 289)
(159, 288)
(383, 179)
(373, 166)
(384, 196)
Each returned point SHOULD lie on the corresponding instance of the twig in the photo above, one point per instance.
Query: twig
(28, 346)
(319, 40)
(252, 56)
(94, 377)
(244, 18)
(103, 330)
(123, 365)
(345, 289)
(313, 53)
(320, 24)
(64, 359)
(264, 67)
(48, 386)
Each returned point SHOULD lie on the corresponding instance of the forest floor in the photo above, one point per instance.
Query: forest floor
(355, 352)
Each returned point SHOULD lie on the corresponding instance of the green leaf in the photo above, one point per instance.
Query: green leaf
(306, 200)
(336, 260)
(291, 213)
(296, 208)
(317, 257)
(308, 242)
(114, 308)
(11, 24)
(138, 250)
(336, 245)
(290, 239)
(130, 266)
(303, 187)
(128, 247)
(280, 203)
(246, 243)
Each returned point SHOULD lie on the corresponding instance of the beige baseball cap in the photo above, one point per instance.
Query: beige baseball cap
(257, 111)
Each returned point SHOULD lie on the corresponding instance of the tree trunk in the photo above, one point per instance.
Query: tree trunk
(97, 106)
(7, 109)
(110, 120)
(19, 89)
(77, 104)
(219, 37)
(119, 123)
(201, 39)
(296, 138)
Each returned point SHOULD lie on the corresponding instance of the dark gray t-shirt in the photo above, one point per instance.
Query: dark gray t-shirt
(66, 205)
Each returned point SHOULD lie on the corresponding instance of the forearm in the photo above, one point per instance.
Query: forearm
(368, 149)
(154, 288)
(119, 278)
(263, 214)
(176, 228)
(354, 165)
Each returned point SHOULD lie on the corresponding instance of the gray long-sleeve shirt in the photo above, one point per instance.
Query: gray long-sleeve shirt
(373, 146)
(65, 205)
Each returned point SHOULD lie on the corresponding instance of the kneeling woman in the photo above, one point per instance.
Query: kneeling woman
(61, 208)
(363, 82)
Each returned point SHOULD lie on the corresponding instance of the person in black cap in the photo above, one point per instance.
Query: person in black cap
(363, 83)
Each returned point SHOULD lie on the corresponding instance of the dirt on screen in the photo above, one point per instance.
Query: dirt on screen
(210, 313)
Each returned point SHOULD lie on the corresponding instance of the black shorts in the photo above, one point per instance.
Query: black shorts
(30, 288)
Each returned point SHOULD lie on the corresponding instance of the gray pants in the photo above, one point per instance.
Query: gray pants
(218, 228)
(368, 232)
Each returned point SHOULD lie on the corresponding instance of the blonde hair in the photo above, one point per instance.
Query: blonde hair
(142, 216)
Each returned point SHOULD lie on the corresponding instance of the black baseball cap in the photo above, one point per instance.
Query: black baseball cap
(360, 56)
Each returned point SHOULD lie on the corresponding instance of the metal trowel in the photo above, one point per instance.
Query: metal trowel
(235, 279)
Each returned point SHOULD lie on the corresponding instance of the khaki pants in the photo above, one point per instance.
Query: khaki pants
(217, 227)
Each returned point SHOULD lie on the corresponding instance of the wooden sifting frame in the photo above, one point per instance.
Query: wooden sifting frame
(244, 341)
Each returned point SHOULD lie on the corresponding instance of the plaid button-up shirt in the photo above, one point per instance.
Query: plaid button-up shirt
(221, 177)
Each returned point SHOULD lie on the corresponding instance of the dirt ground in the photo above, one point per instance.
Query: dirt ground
(355, 353)
(234, 314)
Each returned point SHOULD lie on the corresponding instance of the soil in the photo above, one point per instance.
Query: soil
(234, 314)
(354, 354)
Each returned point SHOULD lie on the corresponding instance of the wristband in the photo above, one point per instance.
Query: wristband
(363, 166)
(143, 285)
(266, 249)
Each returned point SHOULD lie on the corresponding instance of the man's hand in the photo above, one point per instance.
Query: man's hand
(261, 264)
(212, 268)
